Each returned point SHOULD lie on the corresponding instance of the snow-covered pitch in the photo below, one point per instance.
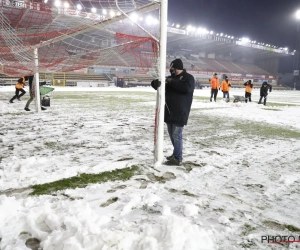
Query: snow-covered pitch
(239, 182)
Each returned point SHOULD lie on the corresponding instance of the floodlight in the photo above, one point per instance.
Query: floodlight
(189, 28)
(149, 20)
(286, 49)
(201, 30)
(66, 5)
(298, 14)
(141, 19)
(79, 7)
(177, 26)
(57, 3)
(112, 13)
(45, 1)
(104, 11)
(232, 37)
(211, 32)
(245, 40)
(221, 34)
(94, 10)
(134, 17)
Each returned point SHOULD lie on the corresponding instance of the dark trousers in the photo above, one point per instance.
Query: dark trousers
(17, 94)
(214, 93)
(225, 94)
(265, 100)
(247, 96)
(175, 133)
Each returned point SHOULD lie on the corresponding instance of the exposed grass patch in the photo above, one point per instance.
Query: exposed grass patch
(276, 225)
(106, 97)
(205, 98)
(54, 146)
(292, 228)
(17, 113)
(184, 192)
(151, 209)
(247, 229)
(115, 101)
(272, 109)
(276, 104)
(83, 180)
(266, 130)
(187, 193)
(109, 202)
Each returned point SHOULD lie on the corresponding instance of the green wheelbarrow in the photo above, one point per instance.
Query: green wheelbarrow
(45, 98)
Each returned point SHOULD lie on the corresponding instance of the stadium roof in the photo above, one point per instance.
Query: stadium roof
(180, 41)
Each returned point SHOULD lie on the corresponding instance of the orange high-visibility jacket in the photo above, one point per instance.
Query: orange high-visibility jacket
(215, 84)
(249, 88)
(21, 85)
(225, 86)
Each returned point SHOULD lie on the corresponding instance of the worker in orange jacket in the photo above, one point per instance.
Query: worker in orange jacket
(19, 88)
(225, 87)
(248, 90)
(215, 86)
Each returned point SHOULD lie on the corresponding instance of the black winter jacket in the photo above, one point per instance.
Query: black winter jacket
(264, 89)
(179, 98)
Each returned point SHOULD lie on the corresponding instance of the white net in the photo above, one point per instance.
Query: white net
(73, 35)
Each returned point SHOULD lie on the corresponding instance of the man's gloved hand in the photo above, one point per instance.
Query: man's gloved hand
(168, 80)
(155, 84)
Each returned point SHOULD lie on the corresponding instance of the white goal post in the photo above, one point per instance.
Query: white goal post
(160, 99)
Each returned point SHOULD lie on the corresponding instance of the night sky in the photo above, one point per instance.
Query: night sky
(267, 21)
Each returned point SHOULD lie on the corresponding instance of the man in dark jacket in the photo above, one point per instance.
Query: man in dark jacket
(179, 96)
(265, 87)
(32, 93)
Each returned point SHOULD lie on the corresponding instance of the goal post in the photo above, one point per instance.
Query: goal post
(160, 99)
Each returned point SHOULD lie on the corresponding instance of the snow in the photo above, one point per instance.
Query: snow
(241, 181)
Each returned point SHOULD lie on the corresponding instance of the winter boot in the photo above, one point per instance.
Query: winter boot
(173, 162)
(169, 157)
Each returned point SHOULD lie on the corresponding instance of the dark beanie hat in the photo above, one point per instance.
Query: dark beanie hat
(177, 64)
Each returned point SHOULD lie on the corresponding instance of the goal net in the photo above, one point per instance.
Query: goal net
(72, 35)
(68, 36)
